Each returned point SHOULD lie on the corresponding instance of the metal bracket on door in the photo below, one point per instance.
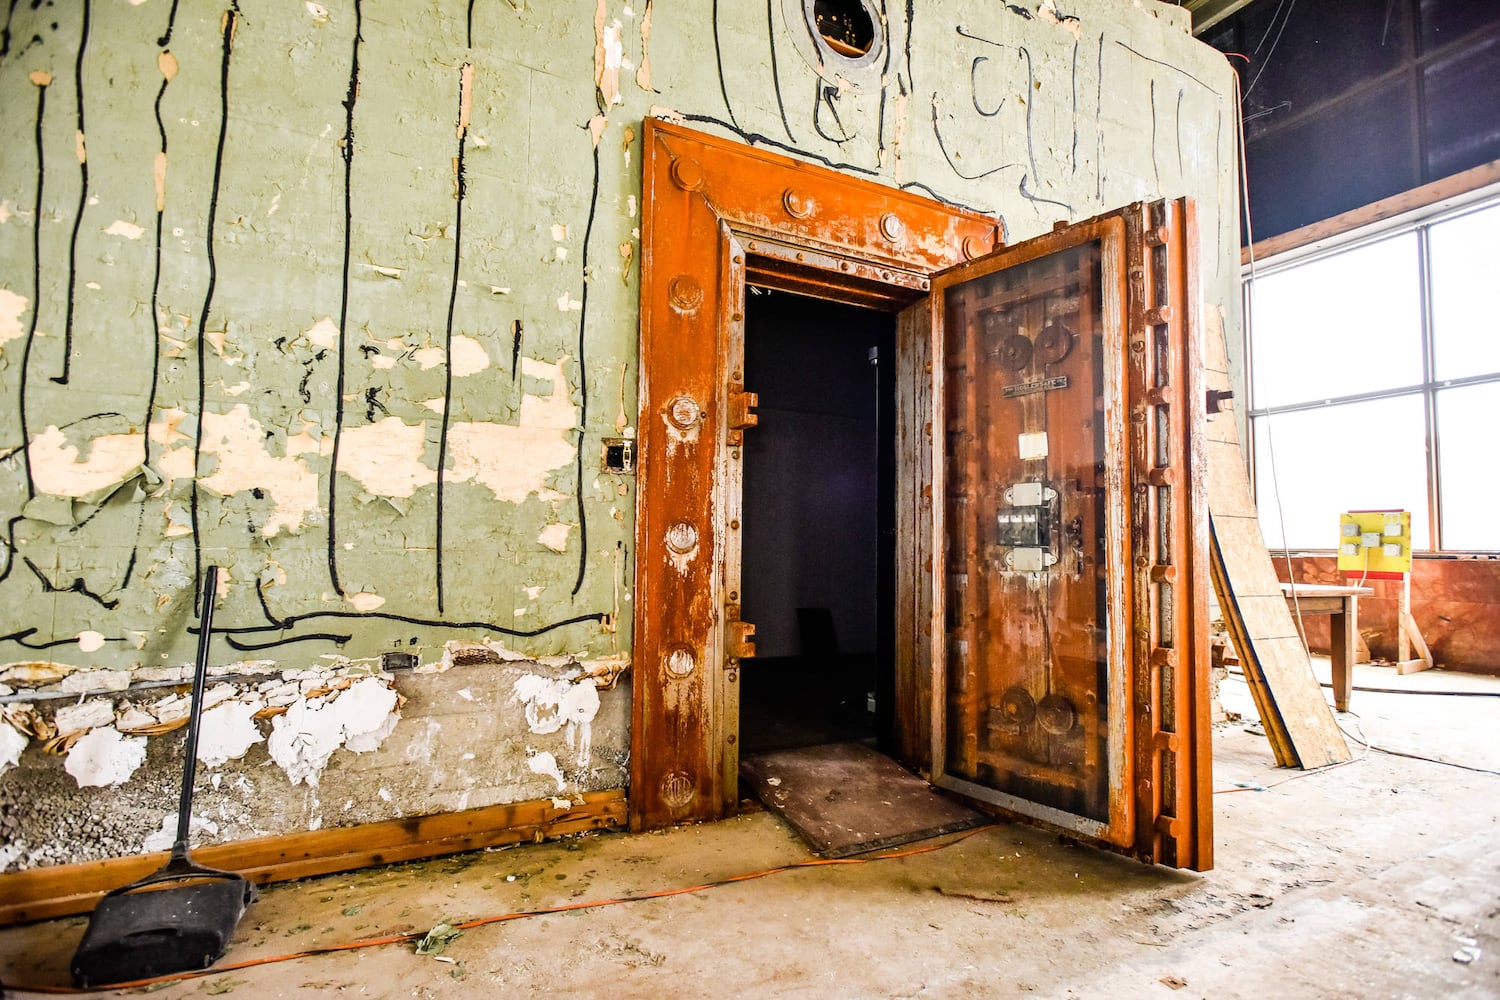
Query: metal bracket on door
(739, 637)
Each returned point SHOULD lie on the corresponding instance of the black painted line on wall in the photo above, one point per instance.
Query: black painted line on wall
(885, 74)
(19, 638)
(1180, 169)
(76, 587)
(1155, 170)
(583, 379)
(929, 192)
(1073, 154)
(83, 195)
(36, 287)
(166, 39)
(465, 79)
(826, 94)
(36, 293)
(1171, 66)
(155, 318)
(1030, 102)
(230, 16)
(350, 97)
(952, 165)
(775, 71)
(911, 18)
(517, 331)
(719, 61)
(1099, 125)
(760, 139)
(252, 647)
(974, 89)
(1038, 199)
(469, 26)
(10, 16)
(293, 620)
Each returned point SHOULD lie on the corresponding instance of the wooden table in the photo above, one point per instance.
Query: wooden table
(1341, 604)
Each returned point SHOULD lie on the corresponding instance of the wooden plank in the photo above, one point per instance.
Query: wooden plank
(1470, 181)
(1296, 717)
(60, 890)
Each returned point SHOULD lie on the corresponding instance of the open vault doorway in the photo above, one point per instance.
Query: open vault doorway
(819, 533)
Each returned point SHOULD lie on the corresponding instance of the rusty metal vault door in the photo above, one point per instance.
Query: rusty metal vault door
(1068, 601)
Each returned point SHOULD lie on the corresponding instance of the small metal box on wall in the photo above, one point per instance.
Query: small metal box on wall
(1375, 544)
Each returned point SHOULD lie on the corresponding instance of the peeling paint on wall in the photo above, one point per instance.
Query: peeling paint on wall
(386, 457)
(12, 308)
(102, 757)
(307, 735)
(228, 731)
(56, 467)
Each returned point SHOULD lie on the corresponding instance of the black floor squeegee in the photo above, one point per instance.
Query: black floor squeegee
(180, 917)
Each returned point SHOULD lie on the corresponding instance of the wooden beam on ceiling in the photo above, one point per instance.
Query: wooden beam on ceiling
(1207, 13)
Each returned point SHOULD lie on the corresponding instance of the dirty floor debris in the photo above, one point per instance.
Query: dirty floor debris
(1378, 878)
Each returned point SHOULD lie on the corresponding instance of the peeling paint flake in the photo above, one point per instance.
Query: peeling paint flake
(120, 227)
(102, 758)
(239, 440)
(386, 457)
(228, 732)
(12, 308)
(308, 733)
(57, 469)
(12, 743)
(324, 333)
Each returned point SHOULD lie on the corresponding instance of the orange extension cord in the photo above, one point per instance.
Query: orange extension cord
(499, 918)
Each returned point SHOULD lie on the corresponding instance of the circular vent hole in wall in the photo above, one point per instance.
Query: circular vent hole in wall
(848, 28)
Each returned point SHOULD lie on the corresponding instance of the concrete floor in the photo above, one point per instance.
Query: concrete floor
(1358, 881)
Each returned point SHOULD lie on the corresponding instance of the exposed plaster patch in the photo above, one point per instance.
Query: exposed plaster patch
(228, 731)
(381, 362)
(513, 461)
(306, 736)
(386, 457)
(89, 641)
(12, 308)
(245, 464)
(468, 356)
(546, 764)
(643, 74)
(57, 469)
(120, 227)
(435, 404)
(567, 304)
(324, 333)
(166, 836)
(532, 593)
(103, 758)
(428, 357)
(365, 601)
(559, 231)
(317, 12)
(555, 536)
(12, 743)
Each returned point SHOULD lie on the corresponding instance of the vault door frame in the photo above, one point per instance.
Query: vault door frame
(718, 214)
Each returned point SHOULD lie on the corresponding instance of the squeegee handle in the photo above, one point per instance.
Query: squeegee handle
(195, 710)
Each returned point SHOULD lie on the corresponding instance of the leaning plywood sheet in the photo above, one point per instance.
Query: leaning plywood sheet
(1292, 708)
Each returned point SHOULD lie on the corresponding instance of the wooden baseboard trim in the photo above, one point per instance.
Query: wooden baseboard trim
(61, 890)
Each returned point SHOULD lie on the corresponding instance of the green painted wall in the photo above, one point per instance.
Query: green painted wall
(257, 349)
